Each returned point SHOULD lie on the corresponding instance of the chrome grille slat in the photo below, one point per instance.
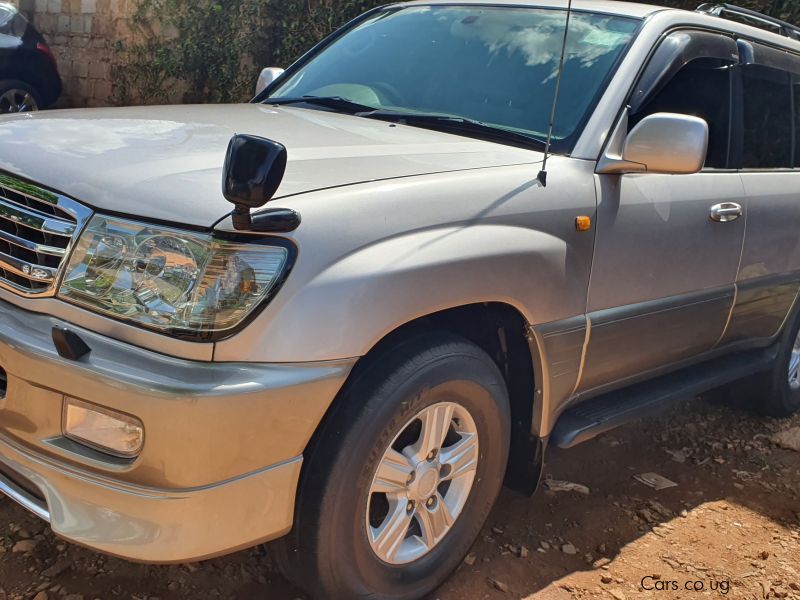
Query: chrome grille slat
(30, 192)
(35, 220)
(37, 230)
(31, 246)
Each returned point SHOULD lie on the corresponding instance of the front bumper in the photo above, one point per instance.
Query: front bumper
(152, 525)
(222, 453)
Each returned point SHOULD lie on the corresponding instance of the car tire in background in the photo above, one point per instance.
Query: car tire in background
(402, 475)
(18, 96)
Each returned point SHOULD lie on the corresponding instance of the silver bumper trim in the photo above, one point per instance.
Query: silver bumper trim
(23, 499)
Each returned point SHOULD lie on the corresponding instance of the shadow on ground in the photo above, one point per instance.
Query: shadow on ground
(731, 523)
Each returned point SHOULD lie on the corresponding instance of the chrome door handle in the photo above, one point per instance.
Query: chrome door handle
(725, 212)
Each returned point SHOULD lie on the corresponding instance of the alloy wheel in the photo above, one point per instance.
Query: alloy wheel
(422, 483)
(16, 101)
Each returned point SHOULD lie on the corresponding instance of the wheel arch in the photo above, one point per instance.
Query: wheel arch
(502, 331)
(26, 72)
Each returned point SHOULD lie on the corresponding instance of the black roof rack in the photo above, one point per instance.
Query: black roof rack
(766, 21)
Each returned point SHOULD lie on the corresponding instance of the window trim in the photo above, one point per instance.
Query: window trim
(696, 48)
(737, 96)
(626, 105)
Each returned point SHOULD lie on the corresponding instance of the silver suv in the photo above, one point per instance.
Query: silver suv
(343, 315)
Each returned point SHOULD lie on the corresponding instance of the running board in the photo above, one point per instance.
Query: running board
(603, 413)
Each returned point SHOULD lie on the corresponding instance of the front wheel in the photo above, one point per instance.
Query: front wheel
(403, 475)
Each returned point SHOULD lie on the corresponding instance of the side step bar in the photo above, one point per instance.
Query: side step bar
(598, 415)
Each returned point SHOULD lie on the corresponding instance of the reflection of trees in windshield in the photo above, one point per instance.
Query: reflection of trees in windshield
(589, 38)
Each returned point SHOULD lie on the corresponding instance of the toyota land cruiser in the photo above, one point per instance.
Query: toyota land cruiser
(341, 316)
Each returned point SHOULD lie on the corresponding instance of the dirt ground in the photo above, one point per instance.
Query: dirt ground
(730, 528)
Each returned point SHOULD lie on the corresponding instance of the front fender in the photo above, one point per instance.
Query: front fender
(360, 276)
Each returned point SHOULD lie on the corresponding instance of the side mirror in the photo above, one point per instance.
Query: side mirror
(668, 143)
(266, 77)
(253, 171)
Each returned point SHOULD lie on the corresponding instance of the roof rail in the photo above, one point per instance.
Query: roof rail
(722, 10)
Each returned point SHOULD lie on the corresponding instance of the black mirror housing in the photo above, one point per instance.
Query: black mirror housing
(253, 171)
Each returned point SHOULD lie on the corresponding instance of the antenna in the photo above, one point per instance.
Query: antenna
(542, 176)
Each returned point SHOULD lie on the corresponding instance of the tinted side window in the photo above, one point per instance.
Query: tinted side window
(702, 89)
(767, 118)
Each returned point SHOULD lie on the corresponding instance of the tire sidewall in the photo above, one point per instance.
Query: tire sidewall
(481, 391)
(785, 399)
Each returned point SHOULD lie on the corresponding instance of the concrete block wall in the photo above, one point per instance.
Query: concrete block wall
(83, 35)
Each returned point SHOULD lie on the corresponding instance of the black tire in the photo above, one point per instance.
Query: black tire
(327, 552)
(14, 84)
(772, 394)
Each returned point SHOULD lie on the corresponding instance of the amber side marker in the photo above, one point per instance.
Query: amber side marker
(583, 223)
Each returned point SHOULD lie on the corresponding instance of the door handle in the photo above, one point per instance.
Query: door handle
(725, 212)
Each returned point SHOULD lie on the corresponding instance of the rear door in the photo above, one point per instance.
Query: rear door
(662, 283)
(767, 148)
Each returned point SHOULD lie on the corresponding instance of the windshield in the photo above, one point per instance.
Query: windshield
(494, 65)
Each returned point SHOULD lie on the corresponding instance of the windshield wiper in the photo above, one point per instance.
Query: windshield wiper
(336, 103)
(446, 123)
(457, 125)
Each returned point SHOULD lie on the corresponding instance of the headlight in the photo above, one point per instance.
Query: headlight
(173, 281)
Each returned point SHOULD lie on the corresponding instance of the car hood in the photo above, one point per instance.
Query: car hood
(165, 162)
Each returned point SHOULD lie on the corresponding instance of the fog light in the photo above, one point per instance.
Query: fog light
(102, 428)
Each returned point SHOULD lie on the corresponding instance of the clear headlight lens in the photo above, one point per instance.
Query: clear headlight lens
(169, 280)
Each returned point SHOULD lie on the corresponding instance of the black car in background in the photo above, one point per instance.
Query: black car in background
(29, 78)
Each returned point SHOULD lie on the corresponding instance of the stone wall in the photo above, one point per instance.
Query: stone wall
(83, 35)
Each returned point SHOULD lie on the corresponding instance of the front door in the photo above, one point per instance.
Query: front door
(666, 260)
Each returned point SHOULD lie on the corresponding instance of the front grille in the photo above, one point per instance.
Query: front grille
(37, 228)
